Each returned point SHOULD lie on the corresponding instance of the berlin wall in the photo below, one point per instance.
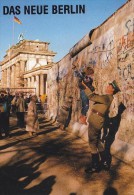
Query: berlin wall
(109, 49)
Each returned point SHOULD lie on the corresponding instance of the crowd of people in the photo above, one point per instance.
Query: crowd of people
(24, 107)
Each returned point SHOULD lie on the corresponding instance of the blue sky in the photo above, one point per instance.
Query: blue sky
(61, 30)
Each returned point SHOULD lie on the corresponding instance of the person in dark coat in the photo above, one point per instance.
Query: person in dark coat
(4, 117)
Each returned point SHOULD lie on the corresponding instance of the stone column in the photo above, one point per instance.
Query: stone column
(42, 84)
(22, 70)
(2, 79)
(13, 76)
(8, 77)
(32, 82)
(11, 81)
(22, 66)
(37, 85)
(17, 74)
(45, 84)
(28, 79)
(5, 78)
(25, 82)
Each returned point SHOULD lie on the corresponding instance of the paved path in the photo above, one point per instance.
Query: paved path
(53, 163)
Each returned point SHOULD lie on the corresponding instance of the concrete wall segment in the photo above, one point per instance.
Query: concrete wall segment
(111, 54)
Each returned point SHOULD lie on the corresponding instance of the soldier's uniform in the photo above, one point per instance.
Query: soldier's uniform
(96, 121)
(97, 117)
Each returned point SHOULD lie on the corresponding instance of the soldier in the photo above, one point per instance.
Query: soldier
(96, 121)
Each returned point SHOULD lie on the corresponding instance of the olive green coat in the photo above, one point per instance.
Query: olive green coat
(101, 104)
(96, 122)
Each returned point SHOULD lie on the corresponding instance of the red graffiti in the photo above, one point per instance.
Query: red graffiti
(125, 42)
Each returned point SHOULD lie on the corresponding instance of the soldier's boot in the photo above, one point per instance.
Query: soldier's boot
(83, 119)
(106, 159)
(94, 168)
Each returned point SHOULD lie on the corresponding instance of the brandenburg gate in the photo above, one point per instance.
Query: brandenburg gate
(26, 65)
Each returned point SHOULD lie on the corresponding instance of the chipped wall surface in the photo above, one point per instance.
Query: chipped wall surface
(111, 54)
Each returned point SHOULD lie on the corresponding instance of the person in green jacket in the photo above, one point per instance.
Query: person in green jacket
(96, 121)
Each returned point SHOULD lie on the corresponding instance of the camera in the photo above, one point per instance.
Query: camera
(86, 79)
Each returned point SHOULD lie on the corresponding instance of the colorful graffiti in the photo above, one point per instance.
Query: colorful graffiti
(125, 59)
(126, 42)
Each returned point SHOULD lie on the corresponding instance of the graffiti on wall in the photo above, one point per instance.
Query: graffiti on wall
(125, 63)
(126, 42)
(63, 72)
(126, 72)
(103, 49)
(111, 57)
